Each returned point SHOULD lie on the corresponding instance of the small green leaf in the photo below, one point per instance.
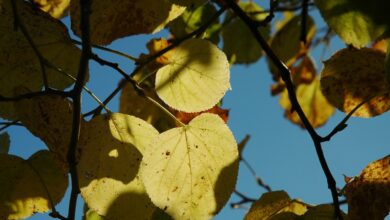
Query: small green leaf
(190, 172)
(4, 143)
(196, 78)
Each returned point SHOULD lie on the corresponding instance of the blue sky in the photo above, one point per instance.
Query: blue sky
(282, 153)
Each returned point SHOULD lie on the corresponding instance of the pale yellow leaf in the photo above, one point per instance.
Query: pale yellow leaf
(19, 65)
(112, 147)
(113, 19)
(190, 172)
(196, 78)
(30, 186)
(352, 76)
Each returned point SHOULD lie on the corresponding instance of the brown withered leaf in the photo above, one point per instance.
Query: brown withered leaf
(187, 117)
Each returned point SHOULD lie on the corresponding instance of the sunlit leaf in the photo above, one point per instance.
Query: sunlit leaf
(92, 215)
(4, 143)
(196, 78)
(355, 21)
(56, 8)
(315, 106)
(238, 41)
(368, 195)
(49, 118)
(113, 19)
(30, 186)
(112, 147)
(352, 76)
(190, 172)
(19, 65)
(272, 203)
(321, 212)
(286, 43)
(192, 19)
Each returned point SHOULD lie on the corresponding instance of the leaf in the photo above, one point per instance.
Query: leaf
(187, 117)
(321, 212)
(188, 3)
(313, 103)
(368, 195)
(112, 147)
(196, 78)
(113, 19)
(48, 117)
(355, 21)
(29, 186)
(352, 76)
(4, 143)
(190, 172)
(286, 43)
(192, 19)
(273, 203)
(238, 41)
(19, 65)
(56, 8)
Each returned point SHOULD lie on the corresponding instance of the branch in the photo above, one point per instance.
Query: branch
(244, 199)
(34, 94)
(304, 14)
(8, 124)
(285, 74)
(76, 97)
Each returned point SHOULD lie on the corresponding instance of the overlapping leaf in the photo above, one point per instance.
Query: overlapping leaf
(369, 194)
(113, 19)
(112, 147)
(49, 118)
(56, 8)
(313, 103)
(190, 172)
(352, 76)
(19, 64)
(196, 78)
(4, 143)
(238, 42)
(30, 186)
(355, 21)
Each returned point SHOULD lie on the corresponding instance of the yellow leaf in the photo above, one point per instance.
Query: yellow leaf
(19, 65)
(321, 212)
(56, 8)
(113, 19)
(49, 118)
(313, 103)
(112, 147)
(29, 186)
(196, 78)
(190, 172)
(368, 195)
(272, 204)
(352, 76)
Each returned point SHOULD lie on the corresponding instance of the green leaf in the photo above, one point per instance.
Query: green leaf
(196, 78)
(355, 21)
(238, 41)
(321, 212)
(352, 76)
(30, 186)
(112, 147)
(4, 143)
(190, 172)
(113, 19)
(273, 203)
(19, 65)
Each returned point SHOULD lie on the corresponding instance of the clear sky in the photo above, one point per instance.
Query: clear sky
(282, 153)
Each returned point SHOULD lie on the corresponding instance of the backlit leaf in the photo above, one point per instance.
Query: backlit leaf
(273, 203)
(49, 118)
(321, 212)
(368, 195)
(56, 8)
(352, 76)
(113, 19)
(19, 65)
(29, 186)
(313, 103)
(355, 21)
(112, 147)
(238, 41)
(4, 143)
(190, 172)
(196, 78)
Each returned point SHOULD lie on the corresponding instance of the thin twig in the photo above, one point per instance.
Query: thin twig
(285, 74)
(259, 181)
(34, 94)
(244, 200)
(304, 15)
